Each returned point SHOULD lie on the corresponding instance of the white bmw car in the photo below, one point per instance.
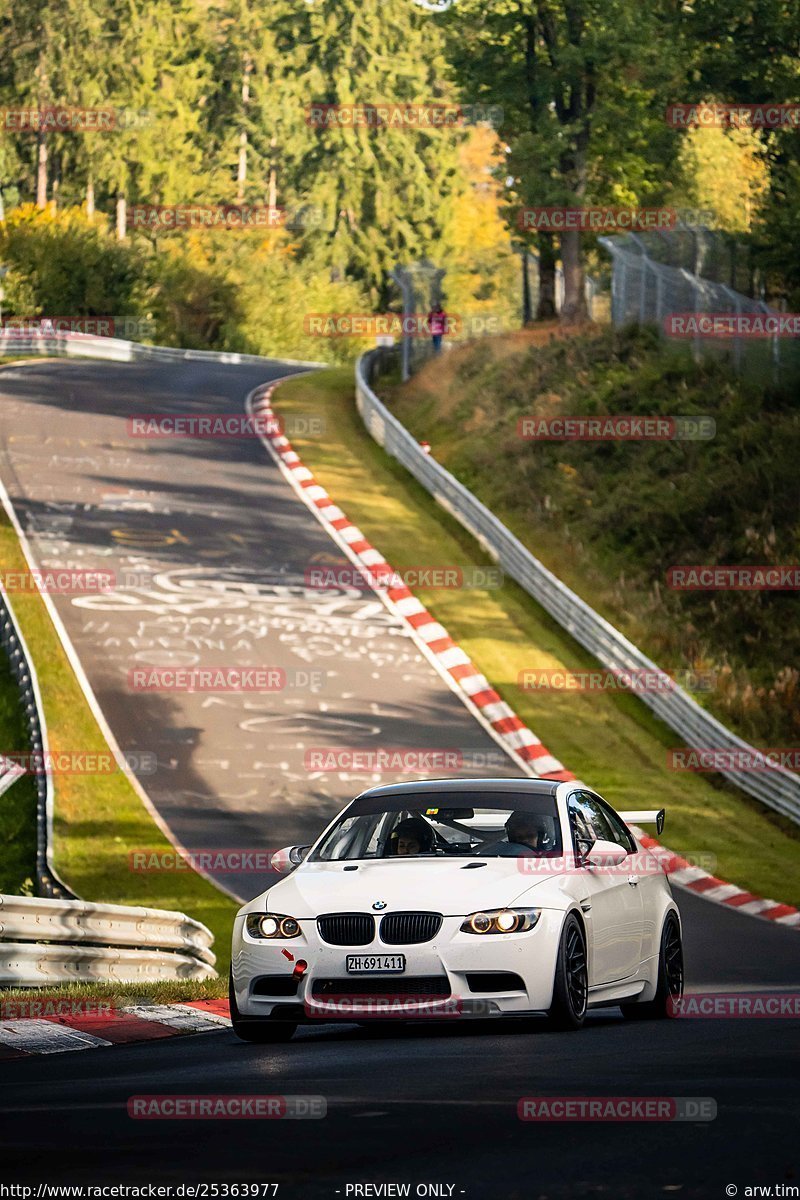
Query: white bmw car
(460, 897)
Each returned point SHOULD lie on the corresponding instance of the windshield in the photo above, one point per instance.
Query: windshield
(507, 824)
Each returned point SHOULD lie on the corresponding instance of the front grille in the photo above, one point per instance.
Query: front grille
(389, 985)
(409, 928)
(347, 929)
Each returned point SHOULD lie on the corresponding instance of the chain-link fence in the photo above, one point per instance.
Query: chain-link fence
(682, 280)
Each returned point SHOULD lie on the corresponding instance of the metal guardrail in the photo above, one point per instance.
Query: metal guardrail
(775, 787)
(85, 345)
(58, 941)
(23, 670)
(10, 772)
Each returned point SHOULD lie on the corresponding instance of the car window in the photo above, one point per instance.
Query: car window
(488, 825)
(581, 819)
(619, 832)
(593, 820)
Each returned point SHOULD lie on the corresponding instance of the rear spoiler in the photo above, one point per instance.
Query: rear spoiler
(646, 816)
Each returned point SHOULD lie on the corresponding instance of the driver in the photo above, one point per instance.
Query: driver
(527, 833)
(411, 836)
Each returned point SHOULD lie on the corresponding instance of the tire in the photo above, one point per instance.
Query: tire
(571, 982)
(670, 977)
(257, 1029)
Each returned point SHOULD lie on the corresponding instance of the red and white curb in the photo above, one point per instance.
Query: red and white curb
(57, 1033)
(704, 884)
(463, 676)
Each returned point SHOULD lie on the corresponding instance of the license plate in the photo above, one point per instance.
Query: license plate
(380, 964)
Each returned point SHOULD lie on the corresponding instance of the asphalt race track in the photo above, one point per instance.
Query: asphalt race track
(433, 1104)
(423, 1104)
(211, 552)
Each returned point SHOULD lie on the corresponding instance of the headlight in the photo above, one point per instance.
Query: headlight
(272, 925)
(501, 920)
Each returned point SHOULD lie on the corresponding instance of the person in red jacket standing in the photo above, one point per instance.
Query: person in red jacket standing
(437, 322)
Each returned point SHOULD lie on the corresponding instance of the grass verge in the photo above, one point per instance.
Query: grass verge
(610, 740)
(99, 819)
(120, 994)
(612, 518)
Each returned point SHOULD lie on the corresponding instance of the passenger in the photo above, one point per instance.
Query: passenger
(411, 836)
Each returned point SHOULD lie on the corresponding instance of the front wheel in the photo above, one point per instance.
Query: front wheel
(257, 1029)
(669, 987)
(571, 984)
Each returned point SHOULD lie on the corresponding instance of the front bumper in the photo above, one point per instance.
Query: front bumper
(456, 961)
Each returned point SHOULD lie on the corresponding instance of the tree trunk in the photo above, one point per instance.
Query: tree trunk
(41, 170)
(272, 193)
(527, 310)
(122, 216)
(90, 196)
(546, 308)
(55, 186)
(241, 174)
(574, 309)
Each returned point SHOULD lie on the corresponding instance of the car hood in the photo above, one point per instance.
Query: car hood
(447, 886)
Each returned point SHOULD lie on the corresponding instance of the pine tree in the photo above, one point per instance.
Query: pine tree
(383, 191)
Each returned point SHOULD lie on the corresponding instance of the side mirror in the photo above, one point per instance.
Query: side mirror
(606, 854)
(290, 856)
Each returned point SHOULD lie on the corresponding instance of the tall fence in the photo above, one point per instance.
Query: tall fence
(659, 277)
(775, 787)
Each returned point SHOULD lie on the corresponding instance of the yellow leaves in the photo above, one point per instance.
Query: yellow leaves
(728, 171)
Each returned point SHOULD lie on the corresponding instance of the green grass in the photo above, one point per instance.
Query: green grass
(611, 518)
(99, 819)
(120, 994)
(611, 741)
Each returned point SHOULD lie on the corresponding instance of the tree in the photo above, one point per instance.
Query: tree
(584, 85)
(383, 190)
